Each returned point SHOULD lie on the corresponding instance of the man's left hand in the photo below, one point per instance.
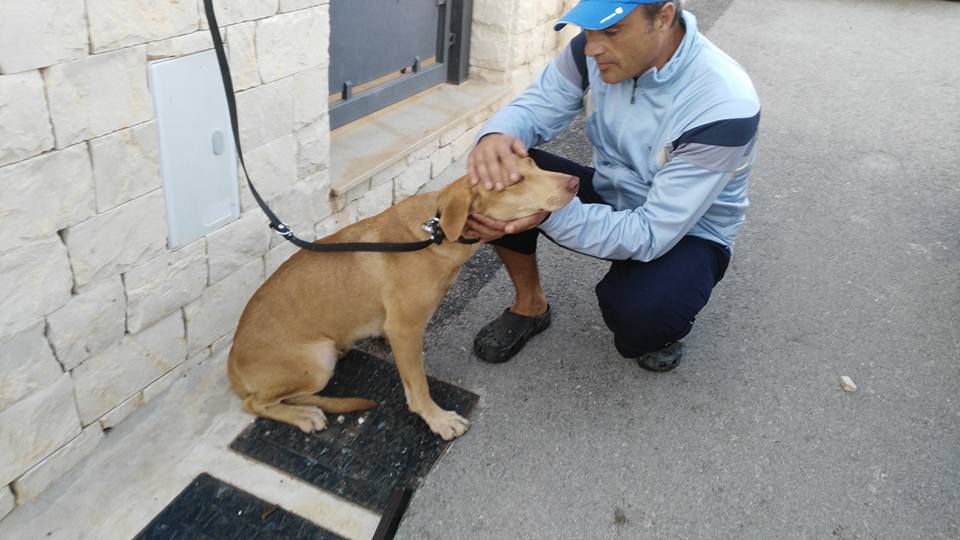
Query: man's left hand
(488, 229)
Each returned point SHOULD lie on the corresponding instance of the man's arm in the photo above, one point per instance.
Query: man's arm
(703, 162)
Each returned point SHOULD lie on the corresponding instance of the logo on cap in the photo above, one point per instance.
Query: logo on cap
(616, 12)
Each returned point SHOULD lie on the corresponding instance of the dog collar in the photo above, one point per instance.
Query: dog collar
(437, 236)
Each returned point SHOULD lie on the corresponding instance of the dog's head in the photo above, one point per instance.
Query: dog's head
(536, 191)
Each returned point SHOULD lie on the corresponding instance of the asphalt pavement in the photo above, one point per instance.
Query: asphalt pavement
(849, 264)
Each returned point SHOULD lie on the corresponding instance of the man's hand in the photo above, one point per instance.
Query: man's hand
(494, 161)
(488, 229)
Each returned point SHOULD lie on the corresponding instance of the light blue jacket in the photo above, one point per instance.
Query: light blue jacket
(672, 149)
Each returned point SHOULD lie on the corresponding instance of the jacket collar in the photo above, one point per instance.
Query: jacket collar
(681, 57)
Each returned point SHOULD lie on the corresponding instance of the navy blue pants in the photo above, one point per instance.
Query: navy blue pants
(647, 305)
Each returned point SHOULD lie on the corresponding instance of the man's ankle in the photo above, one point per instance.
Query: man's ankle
(531, 307)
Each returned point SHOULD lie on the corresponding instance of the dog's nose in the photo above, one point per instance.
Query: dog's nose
(573, 184)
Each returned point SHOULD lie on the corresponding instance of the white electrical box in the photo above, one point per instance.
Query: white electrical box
(198, 159)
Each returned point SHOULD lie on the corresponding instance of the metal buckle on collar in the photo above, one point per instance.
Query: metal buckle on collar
(432, 226)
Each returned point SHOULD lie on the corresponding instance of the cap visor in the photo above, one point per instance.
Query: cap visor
(595, 15)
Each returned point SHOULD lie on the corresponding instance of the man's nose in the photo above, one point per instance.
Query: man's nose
(573, 184)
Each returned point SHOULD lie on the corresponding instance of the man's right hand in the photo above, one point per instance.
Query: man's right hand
(494, 162)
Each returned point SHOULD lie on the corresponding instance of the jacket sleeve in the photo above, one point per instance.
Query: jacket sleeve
(700, 167)
(546, 107)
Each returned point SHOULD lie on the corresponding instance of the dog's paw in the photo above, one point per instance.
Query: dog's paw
(310, 419)
(448, 424)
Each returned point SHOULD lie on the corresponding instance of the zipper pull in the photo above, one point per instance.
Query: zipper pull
(633, 95)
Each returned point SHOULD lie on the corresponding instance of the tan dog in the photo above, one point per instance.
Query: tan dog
(316, 305)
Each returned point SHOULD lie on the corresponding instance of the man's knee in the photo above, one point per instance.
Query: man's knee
(642, 326)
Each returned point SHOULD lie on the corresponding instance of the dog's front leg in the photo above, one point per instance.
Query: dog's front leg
(407, 346)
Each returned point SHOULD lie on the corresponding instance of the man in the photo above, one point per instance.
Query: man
(673, 134)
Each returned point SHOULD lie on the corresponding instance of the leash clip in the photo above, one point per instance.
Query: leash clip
(282, 230)
(432, 226)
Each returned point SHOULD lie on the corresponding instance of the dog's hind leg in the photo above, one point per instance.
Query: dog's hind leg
(284, 388)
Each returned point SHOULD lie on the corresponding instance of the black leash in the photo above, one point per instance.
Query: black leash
(432, 225)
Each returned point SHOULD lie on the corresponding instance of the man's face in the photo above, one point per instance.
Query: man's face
(632, 46)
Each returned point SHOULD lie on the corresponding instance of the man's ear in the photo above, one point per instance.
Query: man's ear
(454, 202)
(666, 15)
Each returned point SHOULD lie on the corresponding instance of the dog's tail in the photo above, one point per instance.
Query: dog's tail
(343, 405)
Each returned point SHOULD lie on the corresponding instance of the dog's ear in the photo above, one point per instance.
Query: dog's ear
(454, 202)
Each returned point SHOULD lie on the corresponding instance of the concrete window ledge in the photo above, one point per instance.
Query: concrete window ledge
(391, 154)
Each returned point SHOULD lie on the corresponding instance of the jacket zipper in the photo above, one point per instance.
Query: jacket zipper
(633, 95)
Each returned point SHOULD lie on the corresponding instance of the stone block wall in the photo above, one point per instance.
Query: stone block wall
(97, 315)
(511, 40)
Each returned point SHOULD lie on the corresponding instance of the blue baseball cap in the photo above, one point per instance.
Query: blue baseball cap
(599, 14)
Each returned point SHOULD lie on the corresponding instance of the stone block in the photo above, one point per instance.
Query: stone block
(121, 23)
(273, 167)
(221, 344)
(277, 256)
(453, 133)
(27, 365)
(160, 385)
(113, 376)
(242, 53)
(389, 174)
(301, 207)
(265, 113)
(491, 48)
(48, 471)
(36, 280)
(494, 12)
(7, 502)
(424, 151)
(24, 121)
(164, 284)
(313, 148)
(118, 240)
(45, 194)
(41, 33)
(357, 191)
(218, 310)
(293, 42)
(489, 75)
(412, 179)
(181, 46)
(551, 43)
(236, 11)
(114, 416)
(531, 41)
(126, 165)
(89, 323)
(310, 97)
(235, 245)
(375, 201)
(464, 143)
(35, 427)
(83, 107)
(320, 182)
(293, 5)
(440, 160)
